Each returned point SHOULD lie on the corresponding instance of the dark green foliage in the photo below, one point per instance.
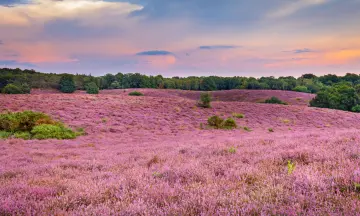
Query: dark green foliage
(356, 108)
(229, 123)
(92, 88)
(34, 125)
(47, 131)
(275, 100)
(205, 100)
(301, 89)
(136, 93)
(215, 121)
(341, 96)
(67, 84)
(12, 89)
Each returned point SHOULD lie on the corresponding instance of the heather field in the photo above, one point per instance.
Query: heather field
(154, 155)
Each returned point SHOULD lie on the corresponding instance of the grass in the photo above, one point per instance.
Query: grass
(238, 115)
(247, 129)
(136, 93)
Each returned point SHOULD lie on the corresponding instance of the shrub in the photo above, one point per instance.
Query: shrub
(215, 121)
(271, 130)
(356, 108)
(12, 89)
(136, 93)
(301, 89)
(291, 167)
(247, 129)
(22, 121)
(4, 134)
(205, 100)
(275, 100)
(25, 88)
(238, 115)
(92, 88)
(232, 150)
(29, 124)
(67, 84)
(22, 135)
(46, 131)
(229, 123)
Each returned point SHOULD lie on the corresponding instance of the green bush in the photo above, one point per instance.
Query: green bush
(215, 121)
(92, 88)
(238, 115)
(205, 100)
(136, 93)
(67, 84)
(21, 121)
(301, 89)
(46, 131)
(356, 108)
(25, 88)
(4, 134)
(29, 124)
(229, 123)
(22, 135)
(12, 89)
(275, 100)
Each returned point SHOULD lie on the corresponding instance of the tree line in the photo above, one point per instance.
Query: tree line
(306, 83)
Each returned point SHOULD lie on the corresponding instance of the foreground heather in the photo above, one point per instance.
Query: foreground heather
(148, 156)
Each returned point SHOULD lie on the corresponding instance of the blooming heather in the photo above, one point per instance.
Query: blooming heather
(112, 170)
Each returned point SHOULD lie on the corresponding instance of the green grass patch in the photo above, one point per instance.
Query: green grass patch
(238, 115)
(136, 93)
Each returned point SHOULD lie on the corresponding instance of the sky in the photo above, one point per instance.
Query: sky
(182, 37)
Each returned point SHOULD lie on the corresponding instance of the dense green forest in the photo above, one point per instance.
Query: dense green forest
(336, 92)
(306, 83)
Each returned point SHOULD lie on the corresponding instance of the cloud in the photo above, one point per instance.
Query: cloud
(217, 47)
(293, 7)
(155, 53)
(88, 11)
(14, 63)
(305, 50)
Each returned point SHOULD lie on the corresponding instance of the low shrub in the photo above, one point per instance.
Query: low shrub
(205, 100)
(22, 121)
(136, 93)
(12, 89)
(22, 135)
(34, 125)
(219, 123)
(46, 131)
(275, 100)
(215, 121)
(229, 123)
(232, 150)
(4, 134)
(238, 115)
(92, 88)
(301, 89)
(271, 130)
(356, 108)
(247, 129)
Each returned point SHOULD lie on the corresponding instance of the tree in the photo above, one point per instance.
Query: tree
(92, 88)
(67, 84)
(12, 89)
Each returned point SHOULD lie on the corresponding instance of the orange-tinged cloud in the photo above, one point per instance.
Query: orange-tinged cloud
(343, 56)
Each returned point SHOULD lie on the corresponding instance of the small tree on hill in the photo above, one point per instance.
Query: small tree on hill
(67, 84)
(205, 100)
